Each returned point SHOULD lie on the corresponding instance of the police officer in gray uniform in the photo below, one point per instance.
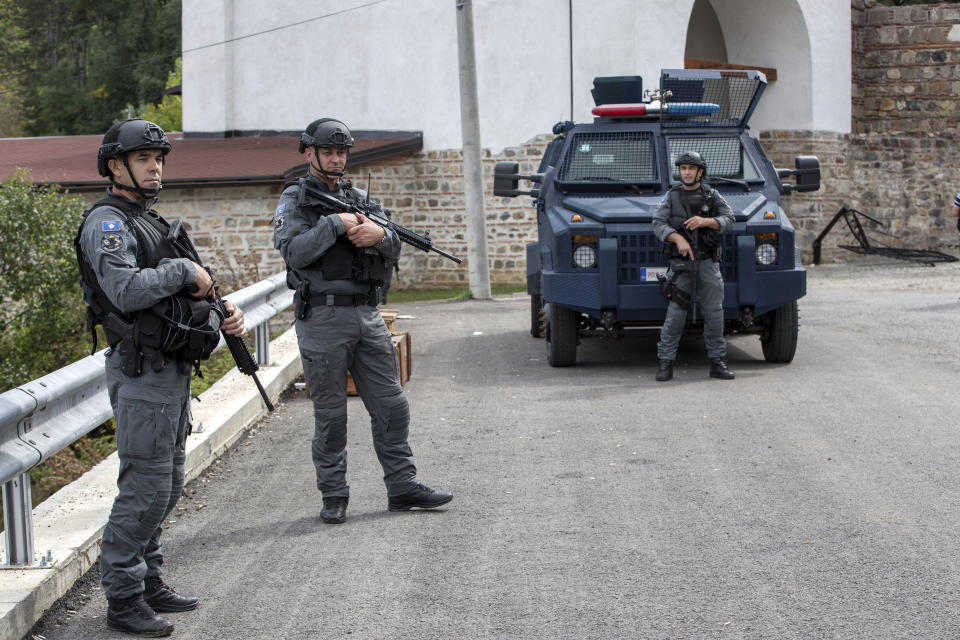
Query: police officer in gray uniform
(336, 261)
(134, 281)
(689, 222)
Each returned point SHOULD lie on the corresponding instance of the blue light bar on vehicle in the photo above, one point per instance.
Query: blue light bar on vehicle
(691, 108)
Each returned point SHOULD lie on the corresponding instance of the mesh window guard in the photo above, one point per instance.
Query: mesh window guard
(619, 156)
(723, 155)
(731, 93)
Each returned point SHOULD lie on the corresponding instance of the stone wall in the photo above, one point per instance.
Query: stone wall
(232, 227)
(908, 181)
(897, 165)
(425, 193)
(905, 67)
(900, 179)
(810, 212)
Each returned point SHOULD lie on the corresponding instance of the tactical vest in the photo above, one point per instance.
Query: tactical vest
(708, 240)
(344, 260)
(175, 329)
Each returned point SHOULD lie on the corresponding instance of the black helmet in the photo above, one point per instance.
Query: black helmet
(693, 158)
(129, 135)
(326, 132)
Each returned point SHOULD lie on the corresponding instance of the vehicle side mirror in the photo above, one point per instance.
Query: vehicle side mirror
(506, 178)
(807, 172)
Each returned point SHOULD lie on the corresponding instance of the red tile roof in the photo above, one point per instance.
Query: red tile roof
(71, 161)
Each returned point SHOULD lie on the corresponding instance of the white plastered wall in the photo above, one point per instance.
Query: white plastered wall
(808, 43)
(393, 65)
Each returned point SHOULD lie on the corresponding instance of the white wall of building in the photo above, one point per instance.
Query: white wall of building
(831, 46)
(393, 65)
(808, 43)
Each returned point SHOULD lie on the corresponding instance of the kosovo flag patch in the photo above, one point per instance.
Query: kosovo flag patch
(110, 225)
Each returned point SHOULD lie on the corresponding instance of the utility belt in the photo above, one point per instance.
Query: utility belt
(304, 299)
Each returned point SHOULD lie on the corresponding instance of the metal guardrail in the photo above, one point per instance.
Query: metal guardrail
(42, 417)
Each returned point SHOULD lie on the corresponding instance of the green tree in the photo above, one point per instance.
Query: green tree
(12, 122)
(41, 309)
(79, 63)
(168, 113)
(11, 108)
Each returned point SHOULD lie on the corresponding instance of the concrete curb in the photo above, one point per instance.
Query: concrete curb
(69, 523)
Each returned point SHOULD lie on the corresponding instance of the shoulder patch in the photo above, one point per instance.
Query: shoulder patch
(110, 225)
(111, 241)
(281, 208)
(278, 221)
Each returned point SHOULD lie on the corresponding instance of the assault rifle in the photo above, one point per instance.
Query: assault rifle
(329, 202)
(238, 347)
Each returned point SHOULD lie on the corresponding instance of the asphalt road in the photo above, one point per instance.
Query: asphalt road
(812, 500)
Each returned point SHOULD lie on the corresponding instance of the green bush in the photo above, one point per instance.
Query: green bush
(42, 315)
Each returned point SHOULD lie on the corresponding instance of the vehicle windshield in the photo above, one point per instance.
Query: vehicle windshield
(725, 157)
(626, 157)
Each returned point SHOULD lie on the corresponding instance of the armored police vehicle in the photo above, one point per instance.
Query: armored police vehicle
(594, 267)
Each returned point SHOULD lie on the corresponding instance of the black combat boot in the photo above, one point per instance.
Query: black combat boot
(423, 497)
(163, 599)
(135, 616)
(665, 372)
(718, 369)
(334, 510)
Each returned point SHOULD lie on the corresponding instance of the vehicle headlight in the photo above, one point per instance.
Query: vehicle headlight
(585, 256)
(766, 254)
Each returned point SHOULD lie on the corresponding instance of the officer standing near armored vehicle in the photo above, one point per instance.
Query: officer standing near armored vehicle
(336, 262)
(156, 313)
(689, 222)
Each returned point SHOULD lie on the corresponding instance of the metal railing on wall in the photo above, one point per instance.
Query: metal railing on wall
(40, 418)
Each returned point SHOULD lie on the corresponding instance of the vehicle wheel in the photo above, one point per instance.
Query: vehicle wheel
(562, 336)
(538, 318)
(779, 340)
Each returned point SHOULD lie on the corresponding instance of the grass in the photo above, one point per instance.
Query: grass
(420, 295)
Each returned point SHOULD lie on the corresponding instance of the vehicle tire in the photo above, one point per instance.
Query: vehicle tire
(779, 340)
(562, 336)
(538, 318)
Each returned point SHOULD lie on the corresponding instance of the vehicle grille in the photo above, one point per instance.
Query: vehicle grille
(638, 250)
(635, 251)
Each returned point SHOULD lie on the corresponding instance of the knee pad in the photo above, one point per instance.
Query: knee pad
(392, 418)
(330, 434)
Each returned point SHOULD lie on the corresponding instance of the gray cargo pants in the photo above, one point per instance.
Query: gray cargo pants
(333, 340)
(152, 413)
(709, 302)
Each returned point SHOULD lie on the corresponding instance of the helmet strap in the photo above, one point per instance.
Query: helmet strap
(327, 174)
(697, 180)
(136, 188)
